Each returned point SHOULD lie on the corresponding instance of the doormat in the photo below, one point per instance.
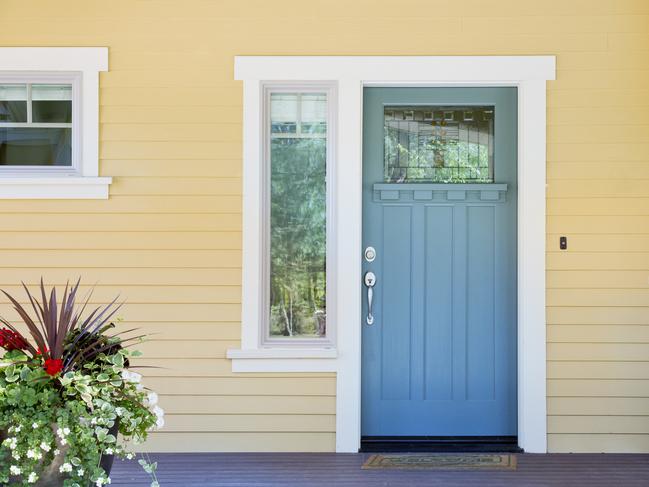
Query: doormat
(442, 461)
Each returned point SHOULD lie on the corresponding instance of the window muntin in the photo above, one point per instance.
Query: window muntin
(298, 154)
(439, 144)
(36, 125)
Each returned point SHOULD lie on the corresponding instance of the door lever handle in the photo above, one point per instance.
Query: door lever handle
(370, 281)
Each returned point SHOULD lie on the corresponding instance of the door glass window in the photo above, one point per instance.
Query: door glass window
(439, 144)
(298, 167)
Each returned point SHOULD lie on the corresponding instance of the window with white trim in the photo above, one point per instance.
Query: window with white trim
(297, 163)
(49, 122)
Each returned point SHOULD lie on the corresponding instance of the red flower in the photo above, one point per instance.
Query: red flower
(10, 340)
(53, 366)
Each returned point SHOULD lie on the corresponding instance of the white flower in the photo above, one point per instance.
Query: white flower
(66, 467)
(56, 452)
(152, 399)
(14, 470)
(130, 456)
(159, 412)
(32, 478)
(35, 426)
(11, 443)
(66, 431)
(80, 472)
(102, 481)
(45, 446)
(109, 451)
(15, 455)
(34, 454)
(132, 377)
(64, 441)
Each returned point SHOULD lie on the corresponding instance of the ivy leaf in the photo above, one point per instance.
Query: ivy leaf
(117, 360)
(101, 433)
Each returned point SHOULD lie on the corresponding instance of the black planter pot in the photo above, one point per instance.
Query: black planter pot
(106, 462)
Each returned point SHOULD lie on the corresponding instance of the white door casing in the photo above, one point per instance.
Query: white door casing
(351, 74)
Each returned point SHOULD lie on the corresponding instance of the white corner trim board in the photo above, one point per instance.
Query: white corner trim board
(83, 63)
(351, 74)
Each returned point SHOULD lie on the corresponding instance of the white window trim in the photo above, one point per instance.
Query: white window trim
(257, 349)
(264, 339)
(529, 74)
(79, 66)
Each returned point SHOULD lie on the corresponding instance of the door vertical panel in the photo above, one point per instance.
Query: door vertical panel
(396, 326)
(438, 292)
(458, 301)
(480, 351)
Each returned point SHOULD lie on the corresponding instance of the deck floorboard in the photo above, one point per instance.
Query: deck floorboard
(329, 469)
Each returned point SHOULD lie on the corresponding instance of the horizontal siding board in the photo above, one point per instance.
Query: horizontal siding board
(131, 276)
(145, 294)
(119, 240)
(599, 224)
(598, 297)
(205, 367)
(598, 333)
(221, 259)
(598, 424)
(566, 369)
(234, 423)
(239, 442)
(597, 279)
(600, 243)
(270, 405)
(603, 406)
(600, 315)
(191, 186)
(243, 386)
(598, 388)
(598, 443)
(598, 351)
(121, 204)
(597, 188)
(597, 260)
(601, 170)
(602, 206)
(170, 114)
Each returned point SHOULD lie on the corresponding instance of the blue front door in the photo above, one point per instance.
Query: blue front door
(439, 239)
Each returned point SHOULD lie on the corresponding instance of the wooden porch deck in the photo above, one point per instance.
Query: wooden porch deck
(329, 469)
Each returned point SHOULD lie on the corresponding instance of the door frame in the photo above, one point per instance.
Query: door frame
(351, 75)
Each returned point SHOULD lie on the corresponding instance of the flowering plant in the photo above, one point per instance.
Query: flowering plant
(66, 396)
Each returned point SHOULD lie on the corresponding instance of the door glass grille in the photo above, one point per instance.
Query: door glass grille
(439, 144)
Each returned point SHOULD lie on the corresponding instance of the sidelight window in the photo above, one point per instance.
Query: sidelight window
(298, 153)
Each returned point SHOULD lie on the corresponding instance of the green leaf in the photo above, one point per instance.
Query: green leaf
(25, 373)
(117, 360)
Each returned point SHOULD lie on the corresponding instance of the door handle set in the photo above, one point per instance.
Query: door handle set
(370, 281)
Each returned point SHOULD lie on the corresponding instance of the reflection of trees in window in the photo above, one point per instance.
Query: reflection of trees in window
(443, 145)
(298, 235)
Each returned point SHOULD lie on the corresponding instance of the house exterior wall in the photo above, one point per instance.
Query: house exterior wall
(169, 238)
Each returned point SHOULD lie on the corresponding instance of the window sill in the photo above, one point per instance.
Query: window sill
(283, 360)
(52, 187)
